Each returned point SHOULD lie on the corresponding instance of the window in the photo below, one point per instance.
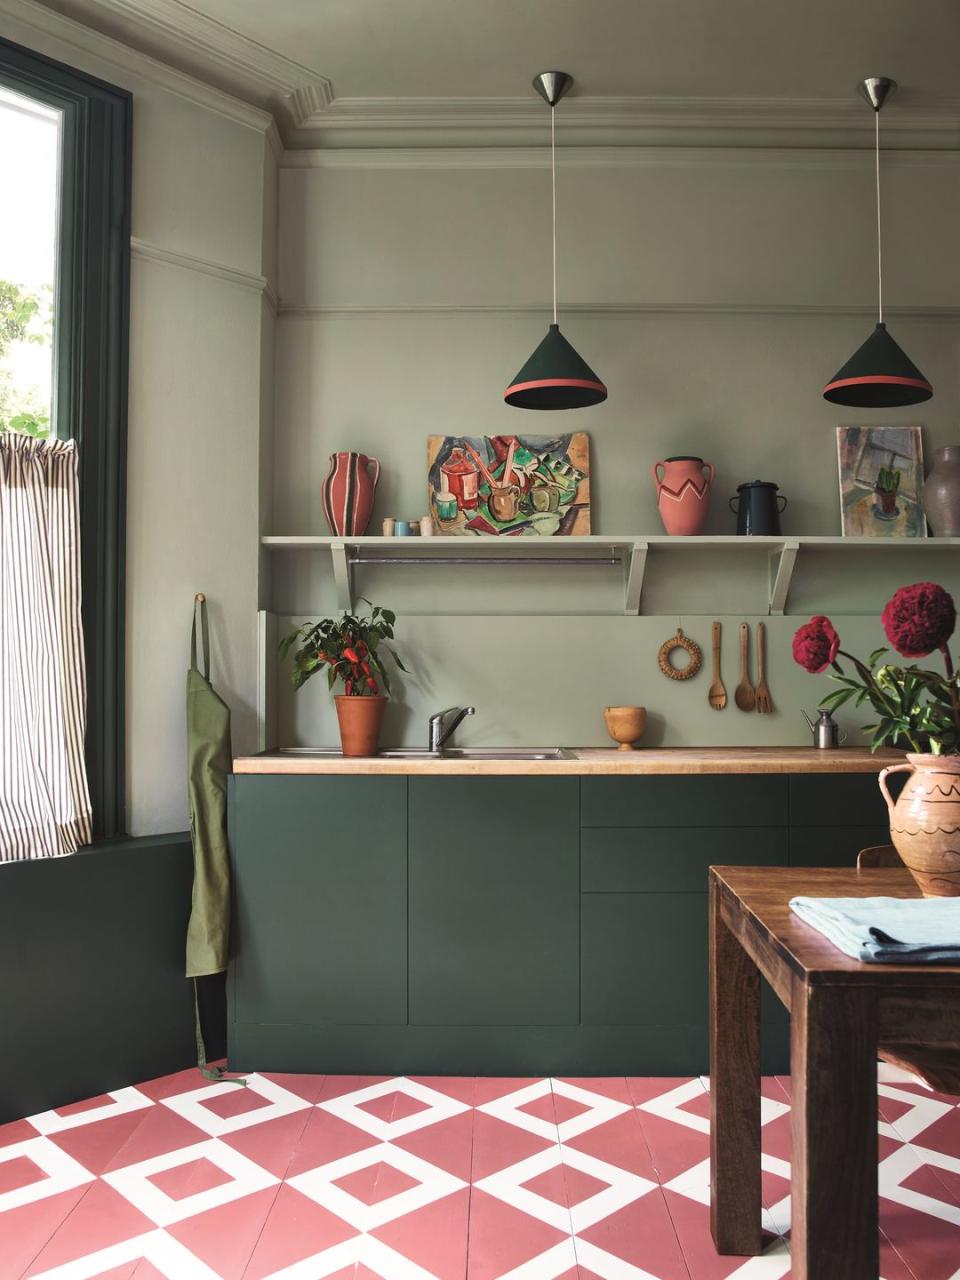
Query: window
(63, 356)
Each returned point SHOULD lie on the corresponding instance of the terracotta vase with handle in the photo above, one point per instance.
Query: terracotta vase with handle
(348, 493)
(925, 822)
(683, 493)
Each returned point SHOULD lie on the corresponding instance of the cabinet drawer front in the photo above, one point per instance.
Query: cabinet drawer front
(664, 859)
(494, 902)
(838, 799)
(728, 800)
(832, 846)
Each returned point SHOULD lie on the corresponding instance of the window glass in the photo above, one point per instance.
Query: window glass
(29, 207)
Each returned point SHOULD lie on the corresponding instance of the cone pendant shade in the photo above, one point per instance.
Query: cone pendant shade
(879, 375)
(555, 377)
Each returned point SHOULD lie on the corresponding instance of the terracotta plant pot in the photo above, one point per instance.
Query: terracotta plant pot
(625, 724)
(360, 720)
(925, 822)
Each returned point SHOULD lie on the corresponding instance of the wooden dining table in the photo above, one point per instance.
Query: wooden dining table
(842, 1013)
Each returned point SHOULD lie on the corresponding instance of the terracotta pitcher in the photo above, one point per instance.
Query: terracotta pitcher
(348, 493)
(925, 822)
(683, 493)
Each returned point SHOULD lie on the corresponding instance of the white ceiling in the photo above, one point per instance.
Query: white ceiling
(480, 55)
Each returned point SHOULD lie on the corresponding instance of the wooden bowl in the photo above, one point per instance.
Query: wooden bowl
(625, 724)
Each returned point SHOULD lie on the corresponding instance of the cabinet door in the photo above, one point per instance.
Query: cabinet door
(494, 901)
(731, 800)
(320, 889)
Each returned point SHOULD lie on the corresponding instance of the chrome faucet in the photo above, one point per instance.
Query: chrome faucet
(440, 732)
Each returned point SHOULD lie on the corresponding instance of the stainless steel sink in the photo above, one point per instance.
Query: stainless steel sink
(478, 753)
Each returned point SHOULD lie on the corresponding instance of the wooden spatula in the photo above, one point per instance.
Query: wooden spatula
(717, 697)
(764, 701)
(744, 696)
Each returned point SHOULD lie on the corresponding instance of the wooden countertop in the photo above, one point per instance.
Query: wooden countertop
(587, 761)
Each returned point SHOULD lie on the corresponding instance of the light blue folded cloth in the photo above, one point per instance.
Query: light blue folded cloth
(887, 930)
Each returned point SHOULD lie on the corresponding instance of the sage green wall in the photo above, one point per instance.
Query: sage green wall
(714, 291)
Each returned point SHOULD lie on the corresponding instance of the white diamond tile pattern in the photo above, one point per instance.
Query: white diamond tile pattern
(306, 1177)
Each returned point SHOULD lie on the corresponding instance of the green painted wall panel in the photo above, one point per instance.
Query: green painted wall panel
(92, 954)
(320, 928)
(665, 859)
(494, 901)
(706, 801)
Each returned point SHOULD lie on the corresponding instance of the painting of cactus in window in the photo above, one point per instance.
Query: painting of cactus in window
(881, 473)
(510, 486)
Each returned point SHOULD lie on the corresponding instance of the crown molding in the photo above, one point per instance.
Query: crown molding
(292, 311)
(183, 38)
(170, 33)
(34, 18)
(614, 158)
(624, 122)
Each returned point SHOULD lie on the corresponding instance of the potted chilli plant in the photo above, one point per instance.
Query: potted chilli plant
(351, 649)
(916, 708)
(886, 489)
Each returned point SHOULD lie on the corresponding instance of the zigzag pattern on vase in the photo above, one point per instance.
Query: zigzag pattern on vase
(920, 829)
(950, 795)
(678, 495)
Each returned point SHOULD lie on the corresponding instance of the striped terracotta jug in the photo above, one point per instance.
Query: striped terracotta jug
(348, 493)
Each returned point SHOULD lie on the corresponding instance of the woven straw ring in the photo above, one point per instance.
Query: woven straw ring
(680, 641)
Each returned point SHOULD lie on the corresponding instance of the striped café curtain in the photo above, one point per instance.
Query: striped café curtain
(44, 799)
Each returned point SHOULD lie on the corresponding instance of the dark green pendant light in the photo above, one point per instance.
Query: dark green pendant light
(879, 374)
(555, 376)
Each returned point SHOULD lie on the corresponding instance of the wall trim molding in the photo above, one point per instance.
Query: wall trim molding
(626, 157)
(33, 16)
(187, 262)
(293, 311)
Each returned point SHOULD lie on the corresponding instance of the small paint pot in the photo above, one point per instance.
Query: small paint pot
(389, 527)
(545, 498)
(414, 528)
(446, 506)
(401, 528)
(426, 527)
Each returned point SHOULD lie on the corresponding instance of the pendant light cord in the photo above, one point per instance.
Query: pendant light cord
(553, 175)
(879, 238)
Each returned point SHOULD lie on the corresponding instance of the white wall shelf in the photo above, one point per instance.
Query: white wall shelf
(628, 554)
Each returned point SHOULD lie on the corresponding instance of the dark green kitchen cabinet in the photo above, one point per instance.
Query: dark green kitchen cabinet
(494, 866)
(320, 900)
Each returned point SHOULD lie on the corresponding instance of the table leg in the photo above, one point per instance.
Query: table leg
(734, 1090)
(833, 1064)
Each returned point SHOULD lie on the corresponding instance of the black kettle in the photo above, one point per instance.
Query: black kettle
(758, 508)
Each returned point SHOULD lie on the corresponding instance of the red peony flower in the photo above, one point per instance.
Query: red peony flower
(919, 619)
(815, 645)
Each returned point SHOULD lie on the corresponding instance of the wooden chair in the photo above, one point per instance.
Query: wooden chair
(938, 1068)
(878, 855)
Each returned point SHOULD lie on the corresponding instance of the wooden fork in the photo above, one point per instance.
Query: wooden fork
(764, 701)
(717, 697)
(744, 695)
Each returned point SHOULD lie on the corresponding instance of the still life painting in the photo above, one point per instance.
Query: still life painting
(510, 486)
(881, 474)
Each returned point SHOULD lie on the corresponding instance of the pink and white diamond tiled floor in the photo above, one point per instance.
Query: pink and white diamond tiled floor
(324, 1178)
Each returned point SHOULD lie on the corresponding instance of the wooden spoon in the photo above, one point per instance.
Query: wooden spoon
(717, 696)
(745, 697)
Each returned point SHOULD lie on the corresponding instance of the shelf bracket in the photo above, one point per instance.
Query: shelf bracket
(781, 577)
(341, 576)
(634, 566)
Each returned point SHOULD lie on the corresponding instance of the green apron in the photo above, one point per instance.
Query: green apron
(209, 761)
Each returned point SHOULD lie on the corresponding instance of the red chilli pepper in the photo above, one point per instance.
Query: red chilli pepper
(351, 654)
(371, 684)
(348, 687)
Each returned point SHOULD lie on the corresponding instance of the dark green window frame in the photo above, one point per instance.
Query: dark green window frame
(90, 378)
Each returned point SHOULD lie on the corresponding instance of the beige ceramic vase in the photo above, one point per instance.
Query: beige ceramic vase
(925, 822)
